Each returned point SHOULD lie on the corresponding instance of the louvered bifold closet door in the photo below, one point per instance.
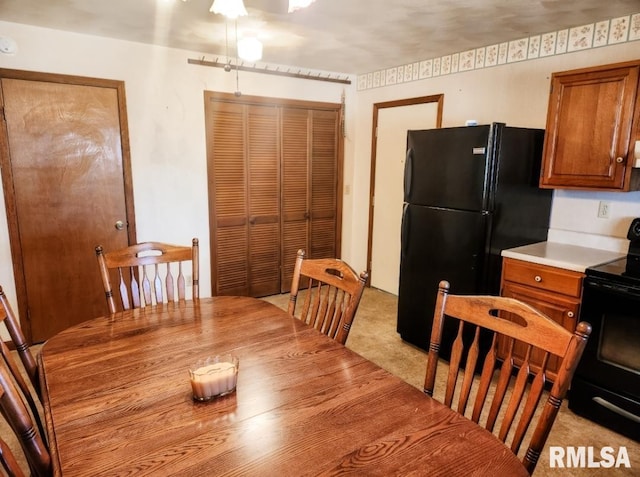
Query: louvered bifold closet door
(274, 169)
(264, 200)
(227, 176)
(323, 184)
(295, 189)
(245, 200)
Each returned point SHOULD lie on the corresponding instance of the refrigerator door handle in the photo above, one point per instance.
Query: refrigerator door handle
(408, 174)
(404, 232)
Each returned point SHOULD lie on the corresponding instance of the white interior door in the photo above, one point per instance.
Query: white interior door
(391, 145)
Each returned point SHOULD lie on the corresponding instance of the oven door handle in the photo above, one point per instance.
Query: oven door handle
(613, 408)
(612, 288)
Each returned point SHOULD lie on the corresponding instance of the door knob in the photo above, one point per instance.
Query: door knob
(119, 225)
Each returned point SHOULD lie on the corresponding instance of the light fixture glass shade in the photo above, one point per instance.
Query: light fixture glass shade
(250, 49)
(229, 8)
(298, 4)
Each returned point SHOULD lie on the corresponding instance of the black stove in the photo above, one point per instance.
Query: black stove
(622, 271)
(606, 384)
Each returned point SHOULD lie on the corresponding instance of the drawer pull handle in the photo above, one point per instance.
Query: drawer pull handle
(570, 314)
(619, 160)
(538, 278)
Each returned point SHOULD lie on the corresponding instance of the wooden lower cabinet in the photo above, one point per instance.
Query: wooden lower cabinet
(554, 291)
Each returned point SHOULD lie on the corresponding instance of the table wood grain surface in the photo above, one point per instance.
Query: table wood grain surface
(117, 401)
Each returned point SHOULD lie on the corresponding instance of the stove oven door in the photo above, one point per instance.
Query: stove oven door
(606, 385)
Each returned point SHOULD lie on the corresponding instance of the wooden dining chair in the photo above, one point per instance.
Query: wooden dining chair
(8, 461)
(17, 416)
(19, 342)
(145, 274)
(19, 381)
(30, 367)
(514, 320)
(333, 292)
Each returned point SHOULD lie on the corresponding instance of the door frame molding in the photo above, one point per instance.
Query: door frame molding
(7, 175)
(435, 98)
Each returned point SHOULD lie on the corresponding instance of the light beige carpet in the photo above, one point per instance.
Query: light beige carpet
(374, 336)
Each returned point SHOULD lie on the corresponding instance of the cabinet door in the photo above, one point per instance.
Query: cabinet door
(589, 128)
(561, 309)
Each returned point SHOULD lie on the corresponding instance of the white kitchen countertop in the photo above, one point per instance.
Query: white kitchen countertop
(562, 255)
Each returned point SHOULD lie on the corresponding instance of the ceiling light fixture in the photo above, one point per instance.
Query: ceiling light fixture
(250, 49)
(229, 8)
(298, 4)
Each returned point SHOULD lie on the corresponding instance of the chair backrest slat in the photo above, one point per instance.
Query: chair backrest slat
(9, 462)
(140, 285)
(513, 400)
(20, 421)
(19, 381)
(332, 296)
(19, 341)
(470, 366)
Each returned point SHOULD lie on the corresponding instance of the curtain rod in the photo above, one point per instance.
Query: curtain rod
(268, 71)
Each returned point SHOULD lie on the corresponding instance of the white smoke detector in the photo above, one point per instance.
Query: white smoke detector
(8, 46)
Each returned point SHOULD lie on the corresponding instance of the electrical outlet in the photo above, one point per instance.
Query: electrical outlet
(603, 210)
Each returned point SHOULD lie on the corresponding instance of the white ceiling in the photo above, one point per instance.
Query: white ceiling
(342, 36)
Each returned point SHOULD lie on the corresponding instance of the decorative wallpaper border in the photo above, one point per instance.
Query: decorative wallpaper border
(594, 35)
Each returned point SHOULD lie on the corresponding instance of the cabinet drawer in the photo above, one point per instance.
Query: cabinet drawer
(551, 279)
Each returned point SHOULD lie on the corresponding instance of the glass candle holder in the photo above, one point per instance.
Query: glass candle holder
(214, 376)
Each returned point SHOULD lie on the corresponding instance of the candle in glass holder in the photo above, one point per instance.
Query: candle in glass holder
(213, 377)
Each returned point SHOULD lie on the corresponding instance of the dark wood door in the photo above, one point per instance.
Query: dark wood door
(67, 186)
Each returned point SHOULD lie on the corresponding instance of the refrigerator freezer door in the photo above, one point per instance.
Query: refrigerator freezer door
(449, 167)
(437, 244)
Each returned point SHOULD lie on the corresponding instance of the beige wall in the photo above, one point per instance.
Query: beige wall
(516, 94)
(166, 127)
(166, 124)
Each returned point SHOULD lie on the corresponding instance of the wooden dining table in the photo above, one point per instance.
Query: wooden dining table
(118, 401)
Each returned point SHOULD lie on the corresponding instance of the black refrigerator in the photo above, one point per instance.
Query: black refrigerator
(469, 193)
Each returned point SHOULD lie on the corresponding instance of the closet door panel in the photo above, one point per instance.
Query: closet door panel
(295, 189)
(263, 165)
(227, 176)
(323, 184)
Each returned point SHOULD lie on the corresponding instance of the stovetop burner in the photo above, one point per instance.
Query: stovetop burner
(625, 270)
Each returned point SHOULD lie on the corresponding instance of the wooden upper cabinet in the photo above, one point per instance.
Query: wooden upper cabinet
(592, 123)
